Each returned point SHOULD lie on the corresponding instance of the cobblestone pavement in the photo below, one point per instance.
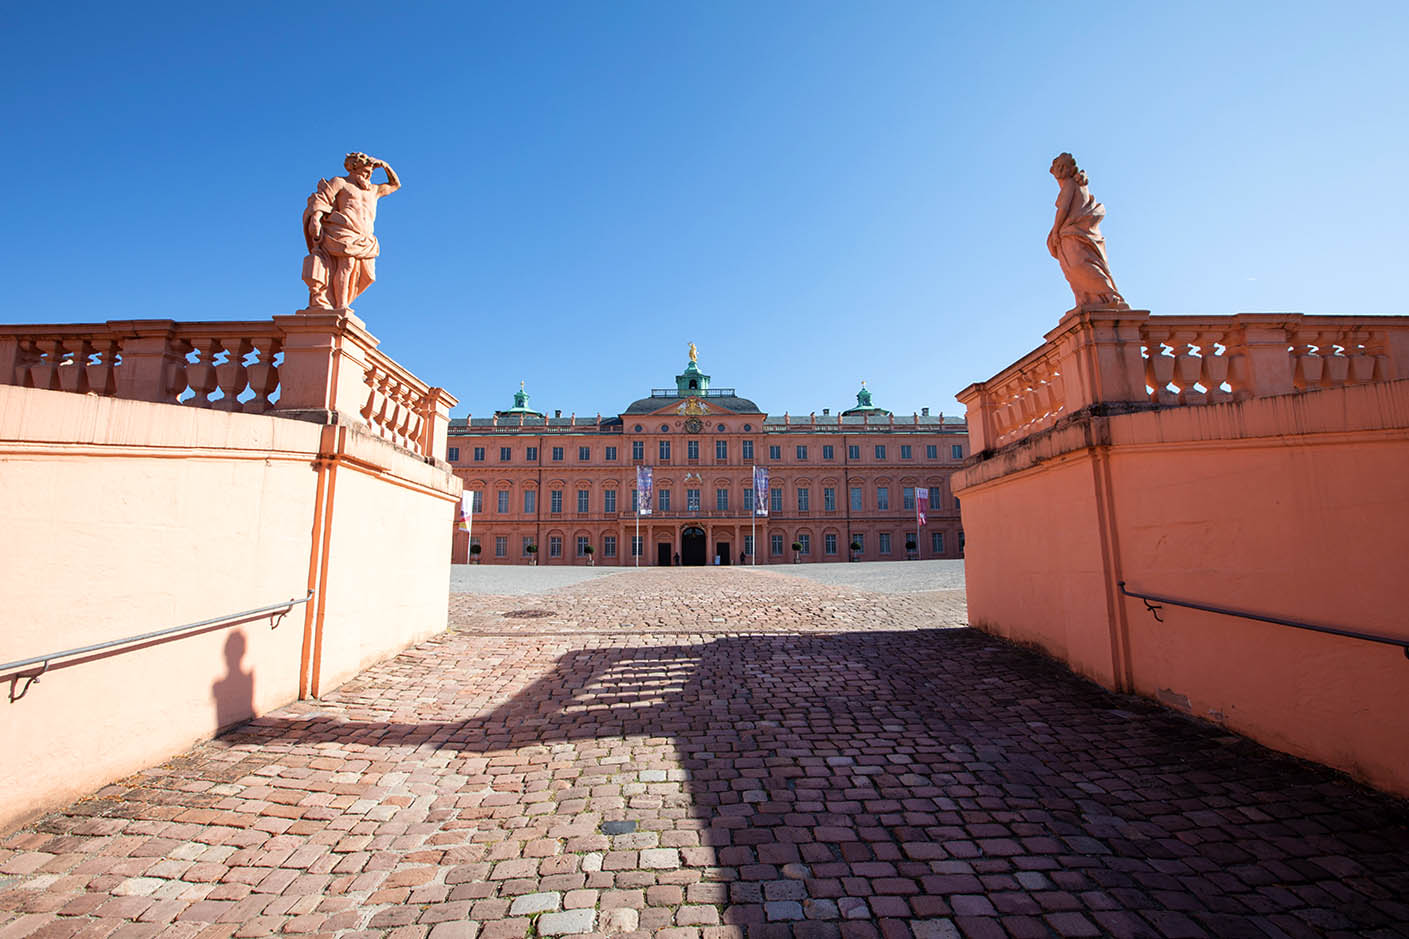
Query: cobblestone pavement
(706, 753)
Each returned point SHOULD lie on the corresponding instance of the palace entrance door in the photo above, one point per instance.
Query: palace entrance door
(693, 547)
(663, 555)
(721, 550)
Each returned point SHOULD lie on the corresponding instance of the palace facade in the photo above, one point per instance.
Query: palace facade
(562, 490)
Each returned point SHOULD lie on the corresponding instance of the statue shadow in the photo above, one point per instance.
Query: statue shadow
(879, 775)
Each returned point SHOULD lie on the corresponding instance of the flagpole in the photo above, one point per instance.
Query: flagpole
(753, 519)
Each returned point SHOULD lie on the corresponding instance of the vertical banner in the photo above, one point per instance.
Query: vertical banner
(464, 517)
(922, 505)
(644, 478)
(760, 491)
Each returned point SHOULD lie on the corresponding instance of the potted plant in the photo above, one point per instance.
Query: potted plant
(475, 550)
(855, 549)
(909, 549)
(590, 550)
(532, 554)
(797, 546)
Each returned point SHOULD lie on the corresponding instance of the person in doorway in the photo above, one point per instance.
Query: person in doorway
(677, 558)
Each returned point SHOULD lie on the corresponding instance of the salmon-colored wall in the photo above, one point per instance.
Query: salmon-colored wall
(1292, 506)
(122, 517)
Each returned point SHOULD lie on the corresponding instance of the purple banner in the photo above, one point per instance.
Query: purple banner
(922, 505)
(760, 491)
(644, 479)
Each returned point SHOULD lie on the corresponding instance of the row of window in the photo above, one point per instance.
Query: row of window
(776, 544)
(802, 496)
(692, 452)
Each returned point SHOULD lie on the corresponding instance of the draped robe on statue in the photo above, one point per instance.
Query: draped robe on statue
(1081, 249)
(342, 262)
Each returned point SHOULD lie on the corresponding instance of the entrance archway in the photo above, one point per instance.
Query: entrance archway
(693, 547)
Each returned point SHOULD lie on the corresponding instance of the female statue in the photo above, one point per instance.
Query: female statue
(1076, 242)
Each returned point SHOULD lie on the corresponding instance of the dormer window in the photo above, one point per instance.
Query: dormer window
(694, 384)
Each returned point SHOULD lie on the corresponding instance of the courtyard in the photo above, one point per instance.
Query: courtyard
(817, 750)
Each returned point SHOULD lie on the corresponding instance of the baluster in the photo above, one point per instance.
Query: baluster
(231, 374)
(200, 374)
(72, 373)
(262, 375)
(1336, 369)
(1215, 367)
(1188, 369)
(43, 372)
(101, 379)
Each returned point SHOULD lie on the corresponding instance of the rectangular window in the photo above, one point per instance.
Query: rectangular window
(478, 506)
(910, 540)
(635, 502)
(584, 454)
(747, 449)
(935, 503)
(584, 501)
(527, 543)
(609, 500)
(776, 498)
(748, 499)
(530, 501)
(806, 542)
(856, 498)
(636, 545)
(692, 500)
(721, 449)
(665, 451)
(801, 452)
(880, 451)
(937, 542)
(882, 498)
(663, 499)
(905, 451)
(829, 544)
(555, 501)
(479, 454)
(957, 451)
(638, 449)
(853, 452)
(555, 546)
(884, 542)
(721, 500)
(829, 452)
(748, 544)
(907, 497)
(829, 499)
(931, 451)
(503, 505)
(775, 545)
(609, 546)
(692, 449)
(505, 454)
(775, 452)
(804, 498)
(858, 544)
(531, 454)
(501, 546)
(454, 454)
(582, 542)
(557, 454)
(610, 457)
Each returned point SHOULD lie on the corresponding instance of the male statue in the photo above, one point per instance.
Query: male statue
(337, 227)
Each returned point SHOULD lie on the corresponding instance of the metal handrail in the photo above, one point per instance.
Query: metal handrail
(9, 667)
(1295, 624)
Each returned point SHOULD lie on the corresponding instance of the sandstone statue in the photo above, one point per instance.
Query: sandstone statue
(337, 227)
(1076, 241)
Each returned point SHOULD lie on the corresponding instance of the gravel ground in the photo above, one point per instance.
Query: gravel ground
(872, 576)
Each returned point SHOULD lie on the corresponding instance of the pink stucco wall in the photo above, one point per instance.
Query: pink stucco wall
(1291, 506)
(121, 517)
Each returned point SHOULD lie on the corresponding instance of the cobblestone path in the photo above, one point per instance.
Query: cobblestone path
(711, 753)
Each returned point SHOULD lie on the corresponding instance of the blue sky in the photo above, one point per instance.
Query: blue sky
(814, 193)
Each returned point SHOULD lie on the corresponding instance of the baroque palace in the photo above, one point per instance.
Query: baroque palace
(562, 490)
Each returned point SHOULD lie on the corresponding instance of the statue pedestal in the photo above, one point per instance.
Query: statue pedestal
(345, 314)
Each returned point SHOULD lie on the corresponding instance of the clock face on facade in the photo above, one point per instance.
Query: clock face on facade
(693, 425)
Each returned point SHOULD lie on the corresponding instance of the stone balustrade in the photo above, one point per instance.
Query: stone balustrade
(1134, 360)
(314, 365)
